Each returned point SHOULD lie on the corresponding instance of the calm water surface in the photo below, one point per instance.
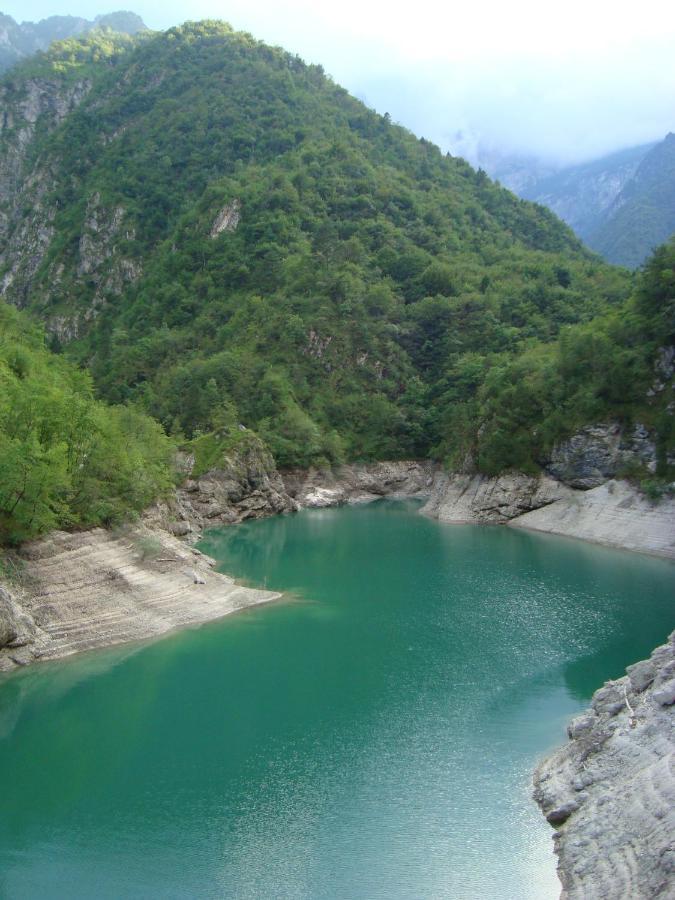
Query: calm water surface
(371, 736)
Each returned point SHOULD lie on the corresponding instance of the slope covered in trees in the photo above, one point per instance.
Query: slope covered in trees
(618, 367)
(20, 40)
(66, 459)
(223, 235)
(359, 273)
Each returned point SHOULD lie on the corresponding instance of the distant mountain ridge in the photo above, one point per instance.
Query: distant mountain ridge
(622, 205)
(582, 195)
(19, 40)
(642, 215)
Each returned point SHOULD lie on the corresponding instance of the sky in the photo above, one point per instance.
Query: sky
(560, 82)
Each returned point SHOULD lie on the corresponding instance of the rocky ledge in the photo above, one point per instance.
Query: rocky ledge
(97, 588)
(616, 513)
(610, 792)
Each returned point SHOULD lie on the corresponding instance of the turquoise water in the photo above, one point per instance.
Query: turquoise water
(372, 735)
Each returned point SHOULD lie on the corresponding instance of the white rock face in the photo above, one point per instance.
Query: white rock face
(227, 219)
(478, 499)
(615, 513)
(611, 790)
(97, 588)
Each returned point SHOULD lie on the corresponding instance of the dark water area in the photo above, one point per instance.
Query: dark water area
(371, 735)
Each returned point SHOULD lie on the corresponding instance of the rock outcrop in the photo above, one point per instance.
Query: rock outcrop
(479, 499)
(17, 629)
(610, 791)
(245, 484)
(615, 513)
(599, 452)
(579, 494)
(98, 588)
(359, 483)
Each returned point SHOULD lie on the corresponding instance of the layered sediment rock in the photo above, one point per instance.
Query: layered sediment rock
(577, 495)
(97, 588)
(479, 499)
(610, 791)
(244, 485)
(615, 513)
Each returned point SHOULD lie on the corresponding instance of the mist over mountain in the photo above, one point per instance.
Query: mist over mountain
(20, 40)
(642, 215)
(621, 205)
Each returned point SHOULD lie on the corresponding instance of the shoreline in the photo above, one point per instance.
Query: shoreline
(609, 792)
(97, 588)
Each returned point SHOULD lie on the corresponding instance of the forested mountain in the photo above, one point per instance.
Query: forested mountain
(642, 215)
(19, 40)
(66, 459)
(225, 236)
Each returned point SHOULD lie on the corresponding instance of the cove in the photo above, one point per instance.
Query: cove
(371, 735)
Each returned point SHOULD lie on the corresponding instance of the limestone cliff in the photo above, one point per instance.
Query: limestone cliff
(242, 484)
(35, 106)
(610, 791)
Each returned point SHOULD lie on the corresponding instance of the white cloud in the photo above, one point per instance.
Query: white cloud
(566, 81)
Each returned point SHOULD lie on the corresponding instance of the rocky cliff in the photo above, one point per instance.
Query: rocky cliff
(611, 791)
(580, 493)
(243, 483)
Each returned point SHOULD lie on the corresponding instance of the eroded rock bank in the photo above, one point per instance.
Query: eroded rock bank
(75, 592)
(610, 792)
(616, 513)
(97, 588)
(247, 485)
(580, 493)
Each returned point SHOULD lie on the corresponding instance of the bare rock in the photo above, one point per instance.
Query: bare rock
(610, 791)
(359, 482)
(598, 453)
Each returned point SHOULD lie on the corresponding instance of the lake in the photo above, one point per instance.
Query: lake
(371, 735)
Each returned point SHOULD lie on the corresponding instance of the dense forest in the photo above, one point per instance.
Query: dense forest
(66, 459)
(232, 238)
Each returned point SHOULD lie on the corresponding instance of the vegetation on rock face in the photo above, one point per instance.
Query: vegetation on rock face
(617, 367)
(66, 459)
(224, 236)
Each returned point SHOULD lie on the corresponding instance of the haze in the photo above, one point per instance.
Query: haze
(561, 83)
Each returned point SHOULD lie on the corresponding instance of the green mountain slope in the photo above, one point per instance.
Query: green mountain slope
(643, 214)
(66, 459)
(358, 276)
